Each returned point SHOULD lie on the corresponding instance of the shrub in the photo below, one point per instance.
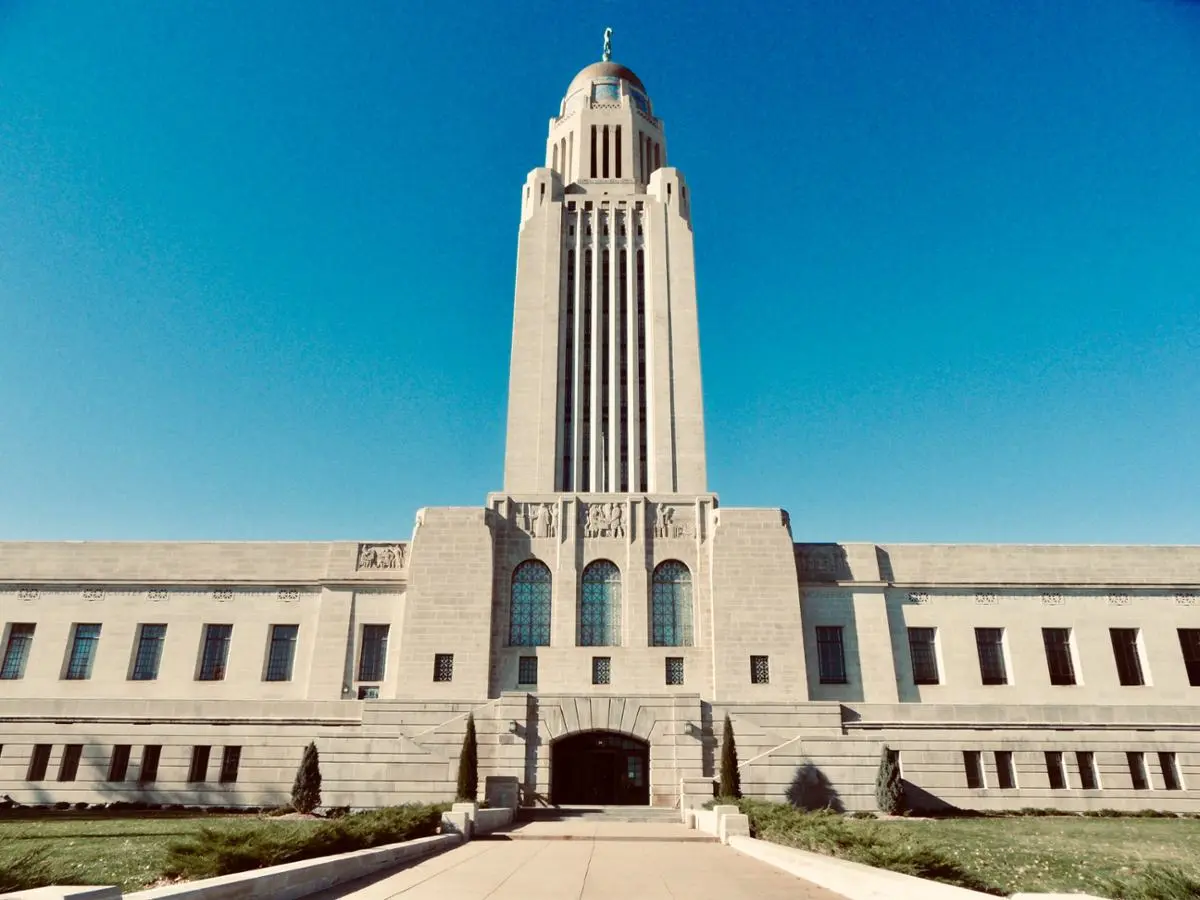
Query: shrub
(889, 789)
(306, 789)
(32, 869)
(1158, 882)
(223, 851)
(468, 765)
(731, 782)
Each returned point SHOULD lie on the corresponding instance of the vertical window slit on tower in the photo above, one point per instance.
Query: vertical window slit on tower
(593, 151)
(605, 373)
(657, 156)
(568, 376)
(617, 154)
(623, 363)
(641, 362)
(585, 449)
(605, 151)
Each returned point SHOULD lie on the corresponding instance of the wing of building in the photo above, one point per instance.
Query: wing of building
(603, 613)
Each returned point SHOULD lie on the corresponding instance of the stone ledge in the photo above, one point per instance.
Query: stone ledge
(850, 879)
(295, 880)
(68, 893)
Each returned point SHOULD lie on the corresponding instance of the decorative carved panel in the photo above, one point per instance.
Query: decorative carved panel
(156, 596)
(93, 594)
(381, 556)
(539, 520)
(1053, 600)
(672, 521)
(603, 519)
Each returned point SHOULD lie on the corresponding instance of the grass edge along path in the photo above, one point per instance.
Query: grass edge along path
(137, 852)
(919, 848)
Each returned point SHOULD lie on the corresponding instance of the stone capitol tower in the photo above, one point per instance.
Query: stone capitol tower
(604, 392)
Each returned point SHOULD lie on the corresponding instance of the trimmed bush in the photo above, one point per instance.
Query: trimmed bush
(306, 789)
(468, 765)
(213, 852)
(731, 781)
(32, 869)
(889, 789)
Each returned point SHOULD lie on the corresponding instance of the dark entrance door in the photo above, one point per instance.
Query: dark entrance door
(600, 768)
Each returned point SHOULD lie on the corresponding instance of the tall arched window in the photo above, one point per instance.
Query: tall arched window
(600, 605)
(671, 605)
(529, 616)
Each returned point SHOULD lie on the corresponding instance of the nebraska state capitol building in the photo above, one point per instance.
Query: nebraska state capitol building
(602, 613)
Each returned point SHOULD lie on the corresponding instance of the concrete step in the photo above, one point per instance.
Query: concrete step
(592, 814)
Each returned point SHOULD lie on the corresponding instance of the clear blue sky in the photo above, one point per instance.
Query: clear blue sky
(256, 259)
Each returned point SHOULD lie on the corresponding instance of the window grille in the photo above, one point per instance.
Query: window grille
(215, 653)
(527, 670)
(600, 605)
(1125, 652)
(149, 652)
(601, 670)
(831, 655)
(760, 670)
(922, 647)
(16, 650)
(989, 643)
(372, 655)
(83, 652)
(282, 652)
(529, 616)
(443, 667)
(671, 605)
(674, 670)
(1058, 655)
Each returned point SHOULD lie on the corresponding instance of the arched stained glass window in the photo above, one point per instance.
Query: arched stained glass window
(671, 605)
(600, 605)
(529, 615)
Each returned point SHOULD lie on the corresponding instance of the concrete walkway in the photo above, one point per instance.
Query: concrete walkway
(599, 867)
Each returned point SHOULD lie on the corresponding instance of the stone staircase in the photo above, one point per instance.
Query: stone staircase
(655, 815)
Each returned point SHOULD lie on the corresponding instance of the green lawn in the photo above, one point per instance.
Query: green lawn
(1066, 853)
(129, 851)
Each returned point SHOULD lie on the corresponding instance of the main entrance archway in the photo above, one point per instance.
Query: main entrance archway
(601, 768)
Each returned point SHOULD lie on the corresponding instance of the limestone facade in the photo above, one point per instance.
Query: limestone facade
(605, 591)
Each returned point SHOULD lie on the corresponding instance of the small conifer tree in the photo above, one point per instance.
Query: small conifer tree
(468, 765)
(306, 789)
(889, 789)
(731, 782)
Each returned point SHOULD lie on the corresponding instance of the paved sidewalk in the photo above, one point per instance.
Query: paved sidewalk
(592, 830)
(585, 869)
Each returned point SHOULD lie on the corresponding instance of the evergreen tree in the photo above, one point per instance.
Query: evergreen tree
(889, 789)
(468, 765)
(731, 782)
(306, 789)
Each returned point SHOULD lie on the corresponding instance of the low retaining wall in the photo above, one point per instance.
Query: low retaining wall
(67, 893)
(850, 879)
(299, 879)
(492, 819)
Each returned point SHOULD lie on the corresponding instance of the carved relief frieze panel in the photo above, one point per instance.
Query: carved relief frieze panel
(822, 562)
(608, 520)
(538, 520)
(381, 556)
(672, 520)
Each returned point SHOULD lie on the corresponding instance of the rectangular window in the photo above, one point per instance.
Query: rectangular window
(368, 692)
(1189, 643)
(198, 770)
(831, 655)
(118, 764)
(1125, 651)
(231, 758)
(527, 670)
(148, 773)
(973, 764)
(83, 652)
(1137, 770)
(215, 652)
(1056, 770)
(38, 761)
(1170, 771)
(760, 670)
(16, 650)
(1058, 655)
(1006, 775)
(149, 652)
(69, 767)
(281, 653)
(443, 667)
(1089, 780)
(922, 647)
(675, 670)
(989, 643)
(601, 670)
(373, 653)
